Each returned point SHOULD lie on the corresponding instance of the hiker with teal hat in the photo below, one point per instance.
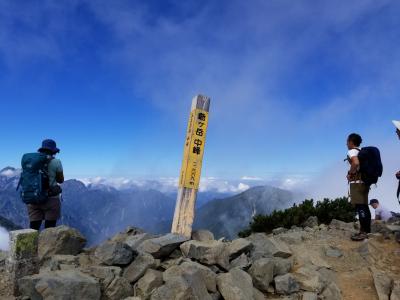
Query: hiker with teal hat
(39, 185)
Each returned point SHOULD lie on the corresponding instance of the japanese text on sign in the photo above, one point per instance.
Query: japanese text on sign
(194, 149)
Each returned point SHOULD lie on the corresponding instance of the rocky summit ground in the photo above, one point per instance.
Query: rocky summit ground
(314, 262)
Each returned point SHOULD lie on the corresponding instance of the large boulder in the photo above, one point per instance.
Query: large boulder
(265, 246)
(60, 240)
(139, 266)
(202, 235)
(286, 284)
(207, 252)
(104, 274)
(119, 288)
(383, 284)
(262, 272)
(163, 246)
(243, 262)
(282, 266)
(114, 253)
(310, 279)
(188, 286)
(238, 247)
(206, 275)
(134, 241)
(69, 284)
(151, 280)
(235, 285)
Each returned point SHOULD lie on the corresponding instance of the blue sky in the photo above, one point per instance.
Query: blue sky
(112, 82)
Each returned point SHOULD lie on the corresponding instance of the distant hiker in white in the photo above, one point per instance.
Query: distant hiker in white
(381, 212)
(397, 124)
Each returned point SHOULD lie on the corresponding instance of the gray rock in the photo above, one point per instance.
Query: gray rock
(241, 262)
(293, 237)
(104, 274)
(148, 283)
(309, 279)
(134, 241)
(188, 286)
(207, 252)
(60, 240)
(118, 289)
(333, 252)
(258, 295)
(395, 290)
(331, 292)
(311, 222)
(207, 276)
(238, 247)
(383, 284)
(282, 266)
(139, 266)
(216, 296)
(279, 230)
(262, 272)
(202, 235)
(114, 253)
(163, 246)
(340, 225)
(286, 284)
(268, 246)
(235, 285)
(70, 284)
(309, 296)
(58, 262)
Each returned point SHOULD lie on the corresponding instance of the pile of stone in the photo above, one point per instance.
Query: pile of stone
(137, 265)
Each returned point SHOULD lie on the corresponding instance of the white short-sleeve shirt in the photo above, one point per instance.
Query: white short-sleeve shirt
(383, 213)
(352, 153)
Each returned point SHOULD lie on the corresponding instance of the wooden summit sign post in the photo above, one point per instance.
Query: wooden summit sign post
(189, 178)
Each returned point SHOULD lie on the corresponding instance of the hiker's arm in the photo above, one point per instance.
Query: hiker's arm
(59, 177)
(355, 164)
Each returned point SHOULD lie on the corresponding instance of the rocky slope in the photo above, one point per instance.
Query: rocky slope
(316, 262)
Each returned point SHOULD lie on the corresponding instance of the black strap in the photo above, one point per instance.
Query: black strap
(19, 183)
(398, 192)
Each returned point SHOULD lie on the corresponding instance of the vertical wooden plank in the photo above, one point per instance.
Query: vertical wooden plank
(189, 178)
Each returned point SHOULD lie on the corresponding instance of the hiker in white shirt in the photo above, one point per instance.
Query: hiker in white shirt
(381, 212)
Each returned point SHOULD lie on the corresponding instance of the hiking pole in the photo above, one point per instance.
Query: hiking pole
(398, 192)
(189, 179)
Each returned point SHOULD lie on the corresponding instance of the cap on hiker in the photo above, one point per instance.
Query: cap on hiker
(397, 124)
(49, 145)
(373, 201)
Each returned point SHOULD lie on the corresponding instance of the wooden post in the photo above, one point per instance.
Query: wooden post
(189, 179)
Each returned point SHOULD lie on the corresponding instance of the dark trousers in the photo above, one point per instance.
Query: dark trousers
(364, 216)
(47, 224)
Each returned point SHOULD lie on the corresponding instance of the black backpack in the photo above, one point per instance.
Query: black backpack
(371, 167)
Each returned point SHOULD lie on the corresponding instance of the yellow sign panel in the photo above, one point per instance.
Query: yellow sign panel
(194, 149)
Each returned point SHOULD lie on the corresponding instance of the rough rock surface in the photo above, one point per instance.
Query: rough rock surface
(207, 252)
(60, 240)
(162, 246)
(114, 253)
(60, 285)
(235, 285)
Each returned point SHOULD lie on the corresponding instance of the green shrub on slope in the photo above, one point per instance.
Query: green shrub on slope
(325, 210)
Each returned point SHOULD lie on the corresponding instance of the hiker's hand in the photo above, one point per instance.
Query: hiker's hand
(398, 175)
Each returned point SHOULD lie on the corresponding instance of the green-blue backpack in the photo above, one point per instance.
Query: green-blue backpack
(34, 180)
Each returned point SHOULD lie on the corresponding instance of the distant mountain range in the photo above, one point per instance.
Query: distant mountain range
(100, 210)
